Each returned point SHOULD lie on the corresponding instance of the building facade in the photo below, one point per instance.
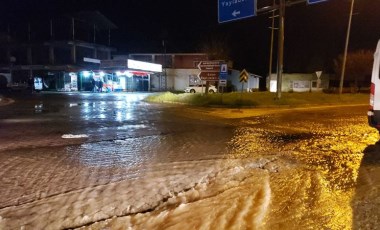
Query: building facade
(299, 82)
(180, 70)
(57, 50)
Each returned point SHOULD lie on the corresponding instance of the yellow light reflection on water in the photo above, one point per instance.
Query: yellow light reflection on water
(318, 192)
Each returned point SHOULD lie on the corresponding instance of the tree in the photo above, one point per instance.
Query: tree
(216, 47)
(358, 67)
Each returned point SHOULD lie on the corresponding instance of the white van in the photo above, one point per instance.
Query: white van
(374, 101)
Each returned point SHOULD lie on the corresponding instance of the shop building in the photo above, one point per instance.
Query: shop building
(179, 70)
(130, 75)
(299, 82)
(60, 50)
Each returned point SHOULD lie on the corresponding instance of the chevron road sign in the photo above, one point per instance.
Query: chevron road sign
(243, 76)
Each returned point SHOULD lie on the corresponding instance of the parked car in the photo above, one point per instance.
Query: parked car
(200, 89)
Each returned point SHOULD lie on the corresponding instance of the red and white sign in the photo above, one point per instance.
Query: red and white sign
(210, 70)
(209, 76)
(209, 65)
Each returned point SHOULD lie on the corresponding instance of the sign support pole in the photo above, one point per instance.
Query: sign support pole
(280, 59)
(241, 95)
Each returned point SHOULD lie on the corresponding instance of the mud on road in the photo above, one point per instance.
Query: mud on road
(186, 168)
(322, 172)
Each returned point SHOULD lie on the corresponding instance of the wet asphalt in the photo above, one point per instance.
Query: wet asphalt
(336, 184)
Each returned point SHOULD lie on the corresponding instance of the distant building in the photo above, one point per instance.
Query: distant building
(74, 53)
(251, 85)
(69, 53)
(299, 82)
(57, 50)
(180, 70)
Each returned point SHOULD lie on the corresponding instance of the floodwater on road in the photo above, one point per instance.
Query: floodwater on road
(112, 161)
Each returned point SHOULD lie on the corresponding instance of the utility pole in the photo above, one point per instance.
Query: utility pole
(282, 4)
(271, 43)
(280, 56)
(163, 79)
(345, 48)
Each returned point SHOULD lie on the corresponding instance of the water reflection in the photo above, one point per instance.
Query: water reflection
(38, 108)
(118, 153)
(105, 107)
(73, 104)
(331, 152)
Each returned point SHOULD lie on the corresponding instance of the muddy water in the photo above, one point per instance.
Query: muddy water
(165, 167)
(123, 135)
(328, 144)
(312, 179)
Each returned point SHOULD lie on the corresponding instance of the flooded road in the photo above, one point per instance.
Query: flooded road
(112, 161)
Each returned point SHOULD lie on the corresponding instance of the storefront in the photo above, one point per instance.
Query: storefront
(130, 75)
(112, 76)
(99, 81)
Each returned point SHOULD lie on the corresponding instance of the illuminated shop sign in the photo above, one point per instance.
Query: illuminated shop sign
(92, 60)
(139, 65)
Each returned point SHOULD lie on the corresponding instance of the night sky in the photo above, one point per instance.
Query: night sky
(314, 35)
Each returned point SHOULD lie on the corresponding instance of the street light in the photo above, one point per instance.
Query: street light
(345, 48)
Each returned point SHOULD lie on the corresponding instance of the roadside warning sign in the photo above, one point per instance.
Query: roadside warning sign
(243, 76)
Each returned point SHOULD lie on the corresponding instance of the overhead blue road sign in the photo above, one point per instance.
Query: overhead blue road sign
(231, 10)
(315, 1)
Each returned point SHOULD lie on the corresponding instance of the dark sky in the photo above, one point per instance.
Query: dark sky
(314, 35)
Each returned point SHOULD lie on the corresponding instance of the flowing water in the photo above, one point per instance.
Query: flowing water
(112, 161)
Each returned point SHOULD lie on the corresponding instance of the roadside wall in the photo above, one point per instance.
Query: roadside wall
(299, 82)
(178, 79)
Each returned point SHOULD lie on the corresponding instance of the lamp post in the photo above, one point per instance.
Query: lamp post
(345, 49)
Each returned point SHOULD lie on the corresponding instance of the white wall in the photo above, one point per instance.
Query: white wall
(290, 81)
(179, 78)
